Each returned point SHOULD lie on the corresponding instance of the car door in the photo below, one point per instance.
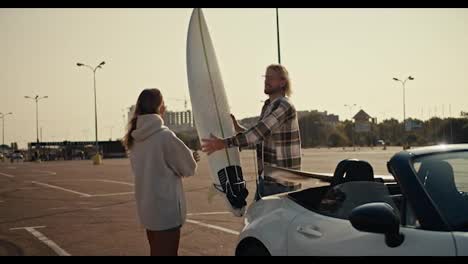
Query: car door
(461, 239)
(326, 230)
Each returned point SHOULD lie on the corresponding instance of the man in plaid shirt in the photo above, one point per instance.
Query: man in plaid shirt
(276, 135)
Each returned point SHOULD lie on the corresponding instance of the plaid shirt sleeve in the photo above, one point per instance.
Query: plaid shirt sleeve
(279, 114)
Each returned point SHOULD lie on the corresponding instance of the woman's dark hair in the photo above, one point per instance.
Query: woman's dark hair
(148, 102)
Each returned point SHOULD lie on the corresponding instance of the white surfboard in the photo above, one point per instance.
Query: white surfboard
(212, 114)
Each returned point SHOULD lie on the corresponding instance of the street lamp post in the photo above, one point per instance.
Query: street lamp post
(36, 99)
(2, 116)
(406, 145)
(350, 107)
(278, 36)
(97, 157)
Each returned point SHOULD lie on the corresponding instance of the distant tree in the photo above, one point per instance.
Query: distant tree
(337, 139)
(190, 139)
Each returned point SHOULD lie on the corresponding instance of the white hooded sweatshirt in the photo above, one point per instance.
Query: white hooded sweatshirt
(159, 161)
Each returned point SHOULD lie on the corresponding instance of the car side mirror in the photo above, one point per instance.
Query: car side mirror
(378, 218)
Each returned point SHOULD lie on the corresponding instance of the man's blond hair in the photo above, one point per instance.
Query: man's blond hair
(284, 74)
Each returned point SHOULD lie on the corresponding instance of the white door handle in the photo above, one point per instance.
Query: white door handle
(309, 231)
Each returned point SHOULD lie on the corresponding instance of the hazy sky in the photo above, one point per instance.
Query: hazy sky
(334, 56)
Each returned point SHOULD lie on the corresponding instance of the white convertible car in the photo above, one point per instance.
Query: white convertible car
(423, 210)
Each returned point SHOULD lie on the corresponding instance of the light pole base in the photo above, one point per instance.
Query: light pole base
(97, 159)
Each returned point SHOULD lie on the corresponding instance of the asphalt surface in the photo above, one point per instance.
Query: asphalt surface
(76, 208)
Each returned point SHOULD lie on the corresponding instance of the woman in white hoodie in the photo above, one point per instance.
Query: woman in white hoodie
(159, 160)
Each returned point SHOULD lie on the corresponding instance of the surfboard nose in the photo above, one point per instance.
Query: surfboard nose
(196, 14)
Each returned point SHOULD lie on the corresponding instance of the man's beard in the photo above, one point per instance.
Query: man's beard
(271, 90)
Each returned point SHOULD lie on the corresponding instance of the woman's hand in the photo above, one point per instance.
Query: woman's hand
(196, 156)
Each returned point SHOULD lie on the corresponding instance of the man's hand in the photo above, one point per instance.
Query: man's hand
(196, 156)
(237, 126)
(212, 144)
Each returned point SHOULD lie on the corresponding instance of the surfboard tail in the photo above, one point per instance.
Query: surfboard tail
(232, 183)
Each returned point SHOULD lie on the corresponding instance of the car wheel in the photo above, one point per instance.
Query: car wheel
(252, 247)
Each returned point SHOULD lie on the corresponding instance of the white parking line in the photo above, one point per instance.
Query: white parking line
(119, 182)
(32, 229)
(110, 194)
(59, 208)
(29, 188)
(230, 231)
(209, 213)
(95, 180)
(63, 189)
(48, 172)
(7, 175)
(86, 194)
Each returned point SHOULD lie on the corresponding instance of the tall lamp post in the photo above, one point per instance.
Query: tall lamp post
(2, 116)
(36, 99)
(403, 83)
(97, 158)
(278, 36)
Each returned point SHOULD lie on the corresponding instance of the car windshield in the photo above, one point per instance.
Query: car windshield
(445, 178)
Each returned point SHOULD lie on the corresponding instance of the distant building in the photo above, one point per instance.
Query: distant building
(179, 121)
(331, 118)
(362, 121)
(362, 116)
(68, 150)
(176, 121)
(327, 118)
